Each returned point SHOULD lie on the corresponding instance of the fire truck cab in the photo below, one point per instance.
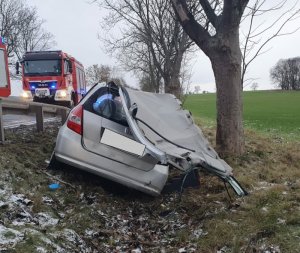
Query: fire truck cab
(52, 77)
(4, 71)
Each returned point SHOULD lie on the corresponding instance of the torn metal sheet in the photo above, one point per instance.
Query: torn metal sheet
(176, 134)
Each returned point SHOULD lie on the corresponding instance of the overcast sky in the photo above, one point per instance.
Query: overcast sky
(75, 25)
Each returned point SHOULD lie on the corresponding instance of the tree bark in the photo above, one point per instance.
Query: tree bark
(226, 64)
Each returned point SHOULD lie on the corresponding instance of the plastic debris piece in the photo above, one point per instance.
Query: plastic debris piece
(54, 186)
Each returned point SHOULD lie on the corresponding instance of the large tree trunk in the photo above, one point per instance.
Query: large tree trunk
(221, 45)
(172, 79)
(173, 86)
(226, 63)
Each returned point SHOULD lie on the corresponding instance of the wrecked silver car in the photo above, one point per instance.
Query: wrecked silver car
(134, 137)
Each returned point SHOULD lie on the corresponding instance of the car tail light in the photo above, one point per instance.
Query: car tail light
(75, 119)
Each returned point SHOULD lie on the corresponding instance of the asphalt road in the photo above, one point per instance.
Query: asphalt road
(13, 121)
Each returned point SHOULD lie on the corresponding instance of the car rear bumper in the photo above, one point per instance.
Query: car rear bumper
(69, 150)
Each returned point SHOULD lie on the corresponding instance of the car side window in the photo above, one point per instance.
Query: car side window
(107, 103)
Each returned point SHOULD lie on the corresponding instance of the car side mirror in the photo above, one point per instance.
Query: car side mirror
(133, 110)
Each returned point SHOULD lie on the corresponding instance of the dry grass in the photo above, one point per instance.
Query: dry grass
(205, 219)
(267, 219)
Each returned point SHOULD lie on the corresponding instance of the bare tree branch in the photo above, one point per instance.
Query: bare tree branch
(152, 40)
(254, 41)
(210, 12)
(22, 27)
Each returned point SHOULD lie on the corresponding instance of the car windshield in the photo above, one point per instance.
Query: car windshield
(42, 67)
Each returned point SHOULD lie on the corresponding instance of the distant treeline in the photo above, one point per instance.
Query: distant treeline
(286, 74)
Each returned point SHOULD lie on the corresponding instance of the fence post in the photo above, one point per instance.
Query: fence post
(64, 114)
(39, 115)
(2, 138)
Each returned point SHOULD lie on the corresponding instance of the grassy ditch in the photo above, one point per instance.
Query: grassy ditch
(267, 219)
(90, 214)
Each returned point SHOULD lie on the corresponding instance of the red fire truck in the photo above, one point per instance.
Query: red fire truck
(52, 77)
(4, 71)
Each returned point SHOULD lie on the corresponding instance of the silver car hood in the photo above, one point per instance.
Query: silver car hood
(170, 134)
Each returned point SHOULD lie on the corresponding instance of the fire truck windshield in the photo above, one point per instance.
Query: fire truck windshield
(3, 75)
(42, 68)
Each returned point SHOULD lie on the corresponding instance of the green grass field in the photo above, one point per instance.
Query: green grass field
(276, 112)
